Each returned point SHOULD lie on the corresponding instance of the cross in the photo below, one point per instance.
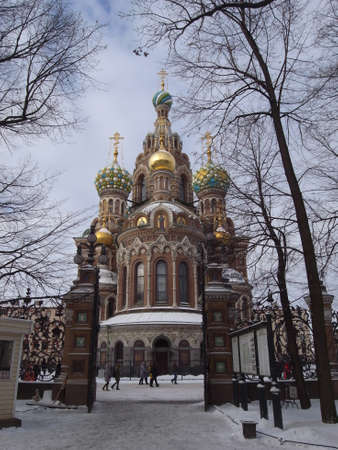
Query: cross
(116, 138)
(208, 139)
(162, 75)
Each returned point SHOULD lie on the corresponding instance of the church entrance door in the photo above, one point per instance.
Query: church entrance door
(161, 352)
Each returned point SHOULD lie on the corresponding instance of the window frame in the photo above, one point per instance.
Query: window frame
(158, 277)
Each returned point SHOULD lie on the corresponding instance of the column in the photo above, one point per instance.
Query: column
(174, 281)
(148, 282)
(195, 284)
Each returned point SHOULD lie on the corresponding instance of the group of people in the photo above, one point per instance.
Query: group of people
(151, 371)
(110, 372)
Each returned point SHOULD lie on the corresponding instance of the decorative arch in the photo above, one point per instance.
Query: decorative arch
(139, 355)
(161, 210)
(161, 353)
(161, 220)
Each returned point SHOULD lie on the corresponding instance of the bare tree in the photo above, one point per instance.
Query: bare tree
(34, 234)
(248, 65)
(46, 54)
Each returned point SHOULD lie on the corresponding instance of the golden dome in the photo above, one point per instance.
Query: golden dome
(104, 236)
(162, 160)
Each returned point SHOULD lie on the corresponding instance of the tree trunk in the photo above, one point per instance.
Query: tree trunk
(326, 394)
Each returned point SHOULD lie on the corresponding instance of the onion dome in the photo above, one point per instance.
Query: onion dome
(210, 176)
(104, 236)
(162, 160)
(113, 177)
(162, 98)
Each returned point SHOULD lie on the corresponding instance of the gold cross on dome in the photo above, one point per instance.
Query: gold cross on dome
(116, 138)
(208, 139)
(162, 75)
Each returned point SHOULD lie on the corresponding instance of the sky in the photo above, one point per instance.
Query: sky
(121, 101)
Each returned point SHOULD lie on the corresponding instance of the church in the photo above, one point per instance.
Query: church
(168, 240)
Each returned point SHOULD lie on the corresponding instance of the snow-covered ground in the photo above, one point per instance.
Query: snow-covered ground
(163, 418)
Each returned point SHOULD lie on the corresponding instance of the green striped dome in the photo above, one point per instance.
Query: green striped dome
(113, 177)
(162, 98)
(210, 176)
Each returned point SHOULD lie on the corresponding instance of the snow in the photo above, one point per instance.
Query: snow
(170, 317)
(172, 207)
(164, 418)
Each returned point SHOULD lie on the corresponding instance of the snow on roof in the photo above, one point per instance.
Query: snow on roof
(174, 208)
(187, 318)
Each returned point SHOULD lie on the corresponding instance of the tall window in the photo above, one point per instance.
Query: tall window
(139, 284)
(110, 308)
(141, 189)
(124, 287)
(183, 282)
(161, 282)
(182, 189)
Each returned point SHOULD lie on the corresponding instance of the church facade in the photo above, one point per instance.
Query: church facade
(167, 237)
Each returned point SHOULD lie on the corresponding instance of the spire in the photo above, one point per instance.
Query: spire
(116, 138)
(208, 139)
(162, 75)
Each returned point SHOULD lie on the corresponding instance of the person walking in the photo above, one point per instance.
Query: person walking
(143, 373)
(153, 375)
(174, 378)
(116, 375)
(107, 377)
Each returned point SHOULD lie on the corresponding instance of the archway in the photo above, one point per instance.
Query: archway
(161, 354)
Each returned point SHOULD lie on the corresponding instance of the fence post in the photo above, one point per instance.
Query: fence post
(276, 405)
(235, 390)
(243, 393)
(263, 406)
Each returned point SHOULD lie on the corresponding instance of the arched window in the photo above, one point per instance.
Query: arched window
(110, 307)
(184, 354)
(183, 279)
(161, 282)
(213, 206)
(124, 287)
(182, 189)
(141, 194)
(118, 352)
(111, 207)
(139, 284)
